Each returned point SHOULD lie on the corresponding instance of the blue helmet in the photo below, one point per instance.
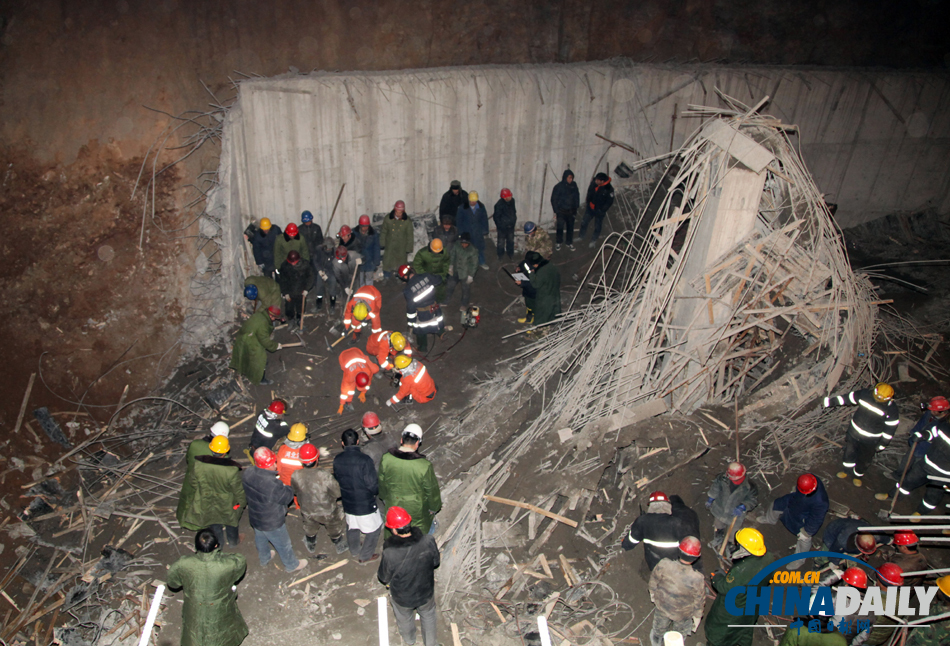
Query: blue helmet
(529, 226)
(306, 216)
(250, 292)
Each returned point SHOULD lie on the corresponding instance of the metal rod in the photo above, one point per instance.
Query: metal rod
(898, 517)
(903, 528)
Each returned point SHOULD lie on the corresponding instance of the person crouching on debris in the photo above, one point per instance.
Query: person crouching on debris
(842, 536)
(904, 553)
(358, 373)
(407, 569)
(201, 446)
(263, 291)
(296, 279)
(218, 498)
(252, 343)
(270, 427)
(802, 512)
(423, 313)
(363, 311)
(415, 383)
(267, 501)
(318, 494)
(542, 292)
(658, 530)
(731, 496)
(679, 593)
(210, 615)
(288, 455)
(345, 264)
(385, 345)
(872, 427)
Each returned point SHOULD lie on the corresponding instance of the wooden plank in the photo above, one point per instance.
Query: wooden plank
(534, 508)
(745, 149)
(26, 399)
(339, 564)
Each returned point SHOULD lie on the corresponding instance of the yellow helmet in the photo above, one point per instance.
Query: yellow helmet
(360, 311)
(883, 392)
(220, 444)
(472, 196)
(752, 540)
(265, 224)
(944, 584)
(402, 362)
(298, 433)
(436, 245)
(397, 341)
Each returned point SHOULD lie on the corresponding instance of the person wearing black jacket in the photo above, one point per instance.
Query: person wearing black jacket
(689, 524)
(267, 501)
(506, 218)
(565, 200)
(296, 280)
(408, 570)
(310, 232)
(262, 243)
(658, 530)
(325, 283)
(600, 195)
(358, 490)
(452, 199)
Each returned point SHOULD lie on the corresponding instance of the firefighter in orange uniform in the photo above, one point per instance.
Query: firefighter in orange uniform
(358, 371)
(384, 345)
(288, 456)
(415, 382)
(363, 309)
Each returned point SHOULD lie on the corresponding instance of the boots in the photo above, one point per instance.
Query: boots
(528, 317)
(340, 545)
(311, 543)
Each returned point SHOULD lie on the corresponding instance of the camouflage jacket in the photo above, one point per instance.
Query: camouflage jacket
(677, 590)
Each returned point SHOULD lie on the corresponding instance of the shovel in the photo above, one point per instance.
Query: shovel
(330, 346)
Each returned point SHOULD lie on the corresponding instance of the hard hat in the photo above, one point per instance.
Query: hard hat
(220, 444)
(250, 292)
(414, 430)
(399, 205)
(865, 543)
(264, 458)
(436, 245)
(529, 226)
(220, 428)
(364, 220)
(403, 272)
(944, 584)
(855, 576)
(362, 380)
(752, 540)
(402, 362)
(277, 407)
(806, 483)
(274, 311)
(883, 392)
(938, 404)
(398, 341)
(306, 216)
(345, 231)
(891, 574)
(905, 538)
(291, 230)
(309, 453)
(690, 546)
(265, 224)
(370, 420)
(505, 193)
(293, 257)
(397, 518)
(360, 311)
(659, 496)
(736, 473)
(341, 253)
(472, 197)
(298, 433)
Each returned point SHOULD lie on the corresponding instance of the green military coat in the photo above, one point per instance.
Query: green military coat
(718, 632)
(801, 637)
(249, 357)
(196, 448)
(547, 301)
(427, 261)
(268, 291)
(395, 236)
(218, 497)
(465, 260)
(407, 480)
(210, 615)
(283, 247)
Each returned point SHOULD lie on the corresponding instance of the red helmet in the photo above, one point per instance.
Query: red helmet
(690, 546)
(364, 220)
(293, 257)
(370, 420)
(397, 518)
(736, 473)
(659, 496)
(905, 538)
(264, 458)
(891, 574)
(807, 483)
(273, 311)
(291, 230)
(505, 193)
(345, 231)
(399, 205)
(309, 453)
(362, 380)
(403, 272)
(855, 576)
(938, 404)
(277, 407)
(866, 543)
(341, 253)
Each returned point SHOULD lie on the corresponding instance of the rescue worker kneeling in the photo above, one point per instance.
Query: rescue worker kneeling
(414, 382)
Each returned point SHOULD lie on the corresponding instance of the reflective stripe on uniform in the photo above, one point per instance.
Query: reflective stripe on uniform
(429, 323)
(662, 544)
(893, 422)
(296, 463)
(352, 361)
(428, 290)
(871, 407)
(360, 294)
(419, 376)
(931, 463)
(863, 432)
(343, 397)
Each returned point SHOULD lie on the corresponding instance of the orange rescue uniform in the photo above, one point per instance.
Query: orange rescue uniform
(378, 346)
(288, 461)
(415, 382)
(353, 362)
(374, 302)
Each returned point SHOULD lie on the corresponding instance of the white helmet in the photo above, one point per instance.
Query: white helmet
(414, 430)
(220, 428)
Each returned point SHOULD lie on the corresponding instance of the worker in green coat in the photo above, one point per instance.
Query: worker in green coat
(249, 357)
(748, 559)
(201, 446)
(290, 240)
(542, 292)
(433, 260)
(218, 500)
(210, 615)
(264, 290)
(407, 480)
(395, 237)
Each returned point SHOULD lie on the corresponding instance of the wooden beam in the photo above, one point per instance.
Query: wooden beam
(534, 508)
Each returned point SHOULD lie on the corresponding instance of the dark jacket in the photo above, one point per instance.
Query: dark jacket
(267, 498)
(312, 235)
(566, 198)
(284, 244)
(873, 422)
(544, 289)
(449, 205)
(449, 238)
(660, 535)
(474, 223)
(369, 247)
(268, 429)
(263, 246)
(505, 215)
(688, 524)
(295, 279)
(358, 484)
(599, 198)
(379, 444)
(801, 511)
(408, 568)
